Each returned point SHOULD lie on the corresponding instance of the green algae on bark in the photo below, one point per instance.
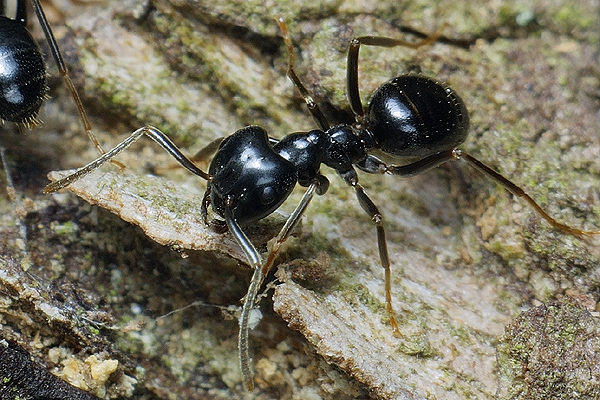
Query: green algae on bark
(466, 256)
(550, 351)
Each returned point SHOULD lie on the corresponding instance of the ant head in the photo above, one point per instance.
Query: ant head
(416, 116)
(249, 175)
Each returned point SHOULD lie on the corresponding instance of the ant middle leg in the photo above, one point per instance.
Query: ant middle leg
(380, 41)
(376, 217)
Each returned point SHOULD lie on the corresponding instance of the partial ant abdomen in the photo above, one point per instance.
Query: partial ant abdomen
(23, 85)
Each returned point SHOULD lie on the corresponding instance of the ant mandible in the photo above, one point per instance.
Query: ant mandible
(23, 80)
(252, 174)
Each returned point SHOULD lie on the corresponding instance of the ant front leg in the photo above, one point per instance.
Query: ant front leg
(202, 156)
(381, 41)
(261, 270)
(150, 131)
(255, 261)
(217, 225)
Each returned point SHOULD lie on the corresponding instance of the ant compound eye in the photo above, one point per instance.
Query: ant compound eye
(268, 195)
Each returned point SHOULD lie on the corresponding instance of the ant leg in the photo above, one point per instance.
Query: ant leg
(370, 208)
(260, 271)
(255, 262)
(381, 41)
(150, 131)
(312, 106)
(202, 155)
(375, 166)
(21, 13)
(62, 68)
(517, 191)
(320, 187)
(216, 225)
(205, 204)
(207, 151)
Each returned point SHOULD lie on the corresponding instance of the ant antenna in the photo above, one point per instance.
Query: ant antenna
(148, 130)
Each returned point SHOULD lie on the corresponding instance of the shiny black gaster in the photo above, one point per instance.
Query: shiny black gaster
(23, 85)
(416, 116)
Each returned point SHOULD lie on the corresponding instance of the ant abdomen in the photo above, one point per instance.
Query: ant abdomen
(23, 85)
(416, 116)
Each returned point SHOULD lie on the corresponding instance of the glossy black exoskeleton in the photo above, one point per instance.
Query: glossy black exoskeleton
(255, 176)
(401, 110)
(255, 180)
(23, 85)
(23, 77)
(251, 174)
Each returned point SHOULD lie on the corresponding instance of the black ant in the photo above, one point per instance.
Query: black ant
(251, 174)
(23, 79)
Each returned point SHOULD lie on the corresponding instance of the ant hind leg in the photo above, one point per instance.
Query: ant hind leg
(373, 165)
(517, 191)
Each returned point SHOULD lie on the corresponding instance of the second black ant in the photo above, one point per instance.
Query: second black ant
(252, 174)
(23, 77)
